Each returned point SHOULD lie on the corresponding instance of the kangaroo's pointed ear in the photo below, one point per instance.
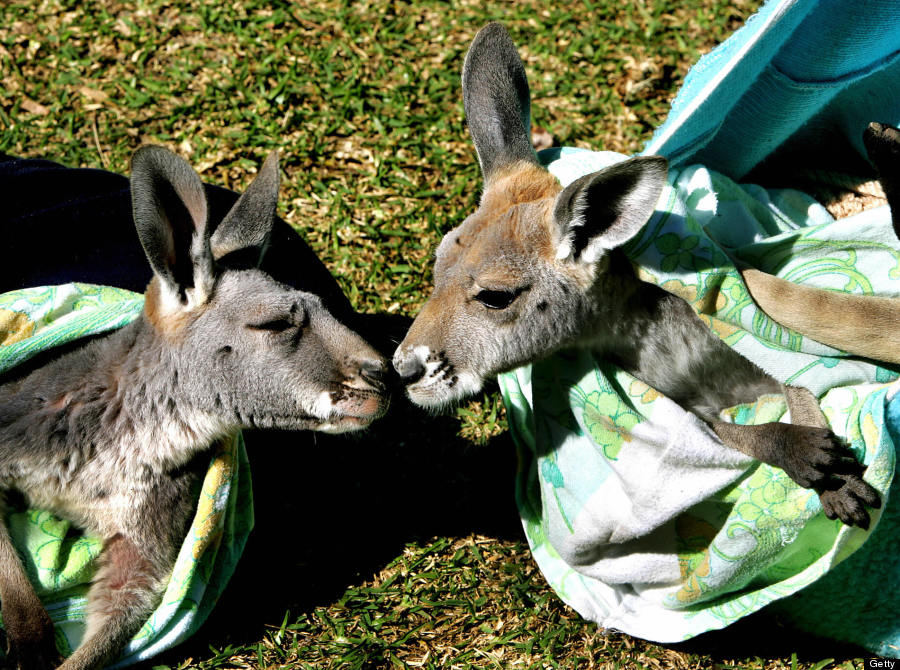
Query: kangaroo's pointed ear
(170, 214)
(497, 101)
(246, 228)
(605, 209)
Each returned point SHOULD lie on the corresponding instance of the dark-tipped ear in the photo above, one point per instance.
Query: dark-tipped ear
(883, 146)
(497, 101)
(170, 212)
(246, 228)
(605, 209)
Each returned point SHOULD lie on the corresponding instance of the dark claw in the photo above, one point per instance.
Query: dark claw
(816, 458)
(845, 499)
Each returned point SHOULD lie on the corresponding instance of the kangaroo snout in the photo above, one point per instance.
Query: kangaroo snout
(362, 396)
(430, 378)
(354, 408)
(409, 366)
(376, 372)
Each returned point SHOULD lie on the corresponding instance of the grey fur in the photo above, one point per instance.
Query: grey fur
(115, 435)
(248, 224)
(536, 269)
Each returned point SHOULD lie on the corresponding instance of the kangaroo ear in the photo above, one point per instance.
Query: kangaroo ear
(169, 206)
(247, 226)
(497, 101)
(605, 209)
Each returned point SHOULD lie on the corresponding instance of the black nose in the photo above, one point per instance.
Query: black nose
(410, 370)
(375, 372)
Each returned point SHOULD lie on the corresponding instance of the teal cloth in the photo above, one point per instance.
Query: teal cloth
(637, 516)
(800, 66)
(797, 65)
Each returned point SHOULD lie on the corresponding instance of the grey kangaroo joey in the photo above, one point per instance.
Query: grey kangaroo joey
(537, 268)
(115, 435)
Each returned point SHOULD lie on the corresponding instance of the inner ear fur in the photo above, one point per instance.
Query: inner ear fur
(246, 229)
(604, 209)
(170, 215)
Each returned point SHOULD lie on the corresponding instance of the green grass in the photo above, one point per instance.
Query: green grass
(423, 566)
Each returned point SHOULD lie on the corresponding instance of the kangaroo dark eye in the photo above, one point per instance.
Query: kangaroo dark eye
(275, 325)
(496, 299)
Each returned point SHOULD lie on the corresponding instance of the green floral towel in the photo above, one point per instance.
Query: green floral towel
(635, 513)
(58, 558)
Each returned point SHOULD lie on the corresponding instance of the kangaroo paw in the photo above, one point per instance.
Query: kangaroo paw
(812, 456)
(846, 499)
(883, 146)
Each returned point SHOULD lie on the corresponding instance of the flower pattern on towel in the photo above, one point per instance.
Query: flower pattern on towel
(752, 536)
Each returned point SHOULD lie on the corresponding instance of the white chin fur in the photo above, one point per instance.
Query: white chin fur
(337, 428)
(440, 393)
(323, 406)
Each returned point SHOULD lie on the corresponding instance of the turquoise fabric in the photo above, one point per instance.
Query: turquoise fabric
(800, 66)
(859, 600)
(637, 516)
(796, 66)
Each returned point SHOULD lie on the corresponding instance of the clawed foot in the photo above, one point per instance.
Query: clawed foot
(883, 146)
(811, 456)
(848, 499)
(818, 459)
(33, 659)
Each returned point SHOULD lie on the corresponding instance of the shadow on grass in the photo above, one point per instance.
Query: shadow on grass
(331, 511)
(764, 636)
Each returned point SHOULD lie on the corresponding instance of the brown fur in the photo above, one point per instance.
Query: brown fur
(170, 325)
(522, 182)
(28, 627)
(868, 324)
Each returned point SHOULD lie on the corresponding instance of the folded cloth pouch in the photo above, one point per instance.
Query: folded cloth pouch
(797, 66)
(636, 514)
(59, 560)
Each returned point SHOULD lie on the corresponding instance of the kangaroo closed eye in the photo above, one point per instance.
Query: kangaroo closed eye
(276, 325)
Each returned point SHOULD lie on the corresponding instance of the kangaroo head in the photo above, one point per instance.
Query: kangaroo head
(519, 278)
(245, 348)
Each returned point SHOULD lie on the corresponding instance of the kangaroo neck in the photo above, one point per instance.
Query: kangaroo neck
(620, 307)
(121, 393)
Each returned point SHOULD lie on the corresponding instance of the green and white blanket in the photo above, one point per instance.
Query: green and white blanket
(59, 559)
(636, 514)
